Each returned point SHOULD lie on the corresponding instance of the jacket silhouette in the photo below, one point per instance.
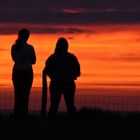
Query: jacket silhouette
(62, 67)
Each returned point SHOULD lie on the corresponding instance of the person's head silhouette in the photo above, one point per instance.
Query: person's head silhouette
(23, 34)
(61, 45)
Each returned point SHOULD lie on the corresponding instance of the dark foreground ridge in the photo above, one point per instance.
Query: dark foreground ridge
(86, 120)
(85, 116)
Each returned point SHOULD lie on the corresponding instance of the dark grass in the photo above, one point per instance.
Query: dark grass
(87, 122)
(94, 116)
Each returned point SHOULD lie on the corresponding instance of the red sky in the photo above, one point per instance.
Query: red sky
(103, 34)
(108, 53)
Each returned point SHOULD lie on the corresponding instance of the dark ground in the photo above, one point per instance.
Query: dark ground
(88, 123)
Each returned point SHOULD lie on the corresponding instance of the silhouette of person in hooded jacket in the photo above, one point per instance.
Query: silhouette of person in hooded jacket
(62, 67)
(23, 56)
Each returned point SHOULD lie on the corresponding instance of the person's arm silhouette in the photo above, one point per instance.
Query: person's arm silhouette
(13, 54)
(76, 67)
(33, 56)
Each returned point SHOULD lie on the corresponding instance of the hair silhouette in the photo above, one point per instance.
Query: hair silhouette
(62, 68)
(23, 36)
(23, 56)
(61, 46)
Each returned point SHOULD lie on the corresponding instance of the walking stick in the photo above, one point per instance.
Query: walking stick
(44, 94)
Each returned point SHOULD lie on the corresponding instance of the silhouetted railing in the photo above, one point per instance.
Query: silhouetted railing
(105, 102)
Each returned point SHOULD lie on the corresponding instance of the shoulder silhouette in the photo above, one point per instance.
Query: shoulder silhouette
(62, 65)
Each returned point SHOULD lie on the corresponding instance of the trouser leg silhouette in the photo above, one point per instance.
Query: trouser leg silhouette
(55, 96)
(22, 81)
(69, 93)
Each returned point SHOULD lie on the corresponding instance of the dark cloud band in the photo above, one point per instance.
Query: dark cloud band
(37, 28)
(67, 18)
(70, 12)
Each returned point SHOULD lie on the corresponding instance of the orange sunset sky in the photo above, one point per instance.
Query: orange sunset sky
(109, 54)
(103, 34)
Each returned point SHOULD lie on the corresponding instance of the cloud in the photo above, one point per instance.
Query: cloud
(76, 10)
(128, 57)
(2, 49)
(70, 12)
(112, 84)
(118, 84)
(54, 30)
(38, 28)
(131, 57)
(69, 18)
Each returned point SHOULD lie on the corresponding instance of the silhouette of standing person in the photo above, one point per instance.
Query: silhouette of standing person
(62, 68)
(23, 56)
